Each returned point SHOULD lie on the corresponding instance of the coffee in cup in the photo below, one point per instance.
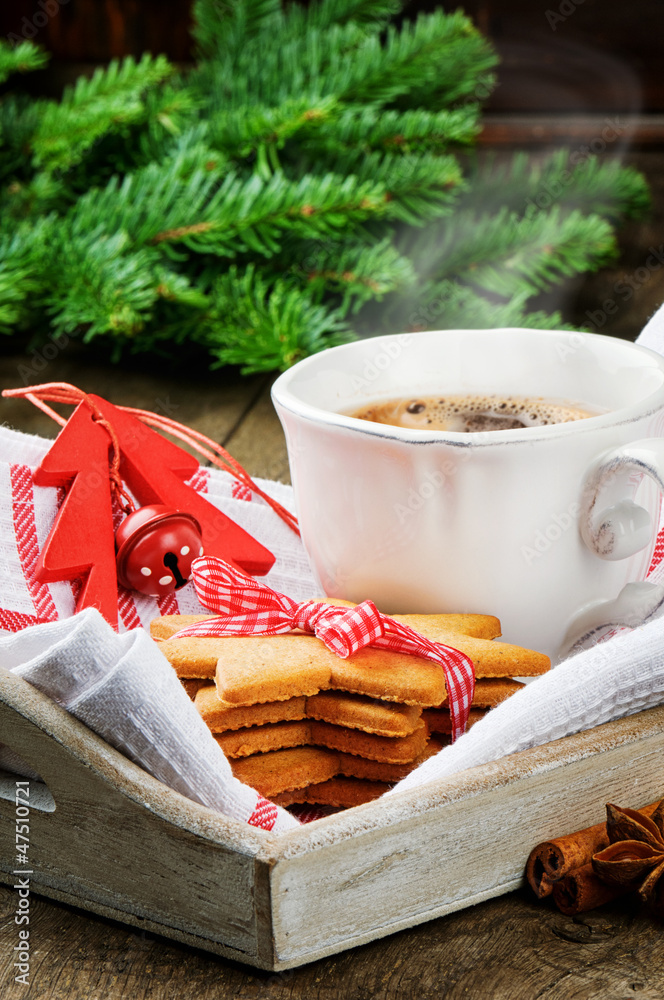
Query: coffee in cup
(471, 413)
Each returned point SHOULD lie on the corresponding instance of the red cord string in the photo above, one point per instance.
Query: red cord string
(63, 392)
(117, 486)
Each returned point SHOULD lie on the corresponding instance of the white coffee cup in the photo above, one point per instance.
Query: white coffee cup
(551, 528)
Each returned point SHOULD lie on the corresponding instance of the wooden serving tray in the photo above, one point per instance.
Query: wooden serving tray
(109, 838)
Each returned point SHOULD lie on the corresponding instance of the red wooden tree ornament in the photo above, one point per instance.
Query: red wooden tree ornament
(81, 543)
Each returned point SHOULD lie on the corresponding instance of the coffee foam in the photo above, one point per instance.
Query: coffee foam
(471, 413)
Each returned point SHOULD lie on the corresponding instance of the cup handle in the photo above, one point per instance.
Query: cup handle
(614, 527)
(635, 603)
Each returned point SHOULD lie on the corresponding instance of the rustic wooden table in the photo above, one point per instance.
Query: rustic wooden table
(511, 948)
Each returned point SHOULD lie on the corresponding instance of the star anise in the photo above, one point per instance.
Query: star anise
(634, 858)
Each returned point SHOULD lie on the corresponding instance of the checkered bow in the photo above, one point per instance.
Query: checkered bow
(248, 607)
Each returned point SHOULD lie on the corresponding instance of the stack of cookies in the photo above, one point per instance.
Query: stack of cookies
(302, 725)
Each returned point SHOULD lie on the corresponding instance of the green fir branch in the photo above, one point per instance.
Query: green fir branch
(185, 154)
(530, 254)
(24, 57)
(22, 269)
(440, 57)
(223, 26)
(101, 285)
(264, 325)
(175, 287)
(607, 188)
(572, 181)
(269, 71)
(19, 119)
(245, 131)
(508, 254)
(440, 54)
(169, 110)
(418, 187)
(361, 130)
(314, 146)
(110, 100)
(373, 15)
(356, 272)
(41, 194)
(157, 206)
(448, 305)
(158, 195)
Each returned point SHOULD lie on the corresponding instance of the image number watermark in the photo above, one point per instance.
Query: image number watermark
(21, 962)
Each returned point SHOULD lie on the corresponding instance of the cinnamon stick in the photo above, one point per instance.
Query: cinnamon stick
(552, 860)
(582, 890)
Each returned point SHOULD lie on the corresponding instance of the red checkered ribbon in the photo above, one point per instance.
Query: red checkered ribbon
(248, 607)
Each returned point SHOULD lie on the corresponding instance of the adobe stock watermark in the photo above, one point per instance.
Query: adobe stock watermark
(433, 481)
(564, 10)
(418, 497)
(551, 191)
(428, 313)
(41, 358)
(381, 361)
(30, 26)
(626, 286)
(22, 884)
(573, 343)
(544, 539)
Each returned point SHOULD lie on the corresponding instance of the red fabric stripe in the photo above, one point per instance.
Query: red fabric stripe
(126, 605)
(658, 553)
(240, 492)
(14, 621)
(264, 814)
(200, 480)
(168, 605)
(127, 608)
(309, 813)
(23, 506)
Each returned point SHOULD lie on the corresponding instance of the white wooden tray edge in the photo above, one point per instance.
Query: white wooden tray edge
(171, 866)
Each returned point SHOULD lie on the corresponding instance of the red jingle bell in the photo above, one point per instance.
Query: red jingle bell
(156, 546)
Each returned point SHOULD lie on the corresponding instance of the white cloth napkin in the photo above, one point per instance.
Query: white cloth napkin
(124, 689)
